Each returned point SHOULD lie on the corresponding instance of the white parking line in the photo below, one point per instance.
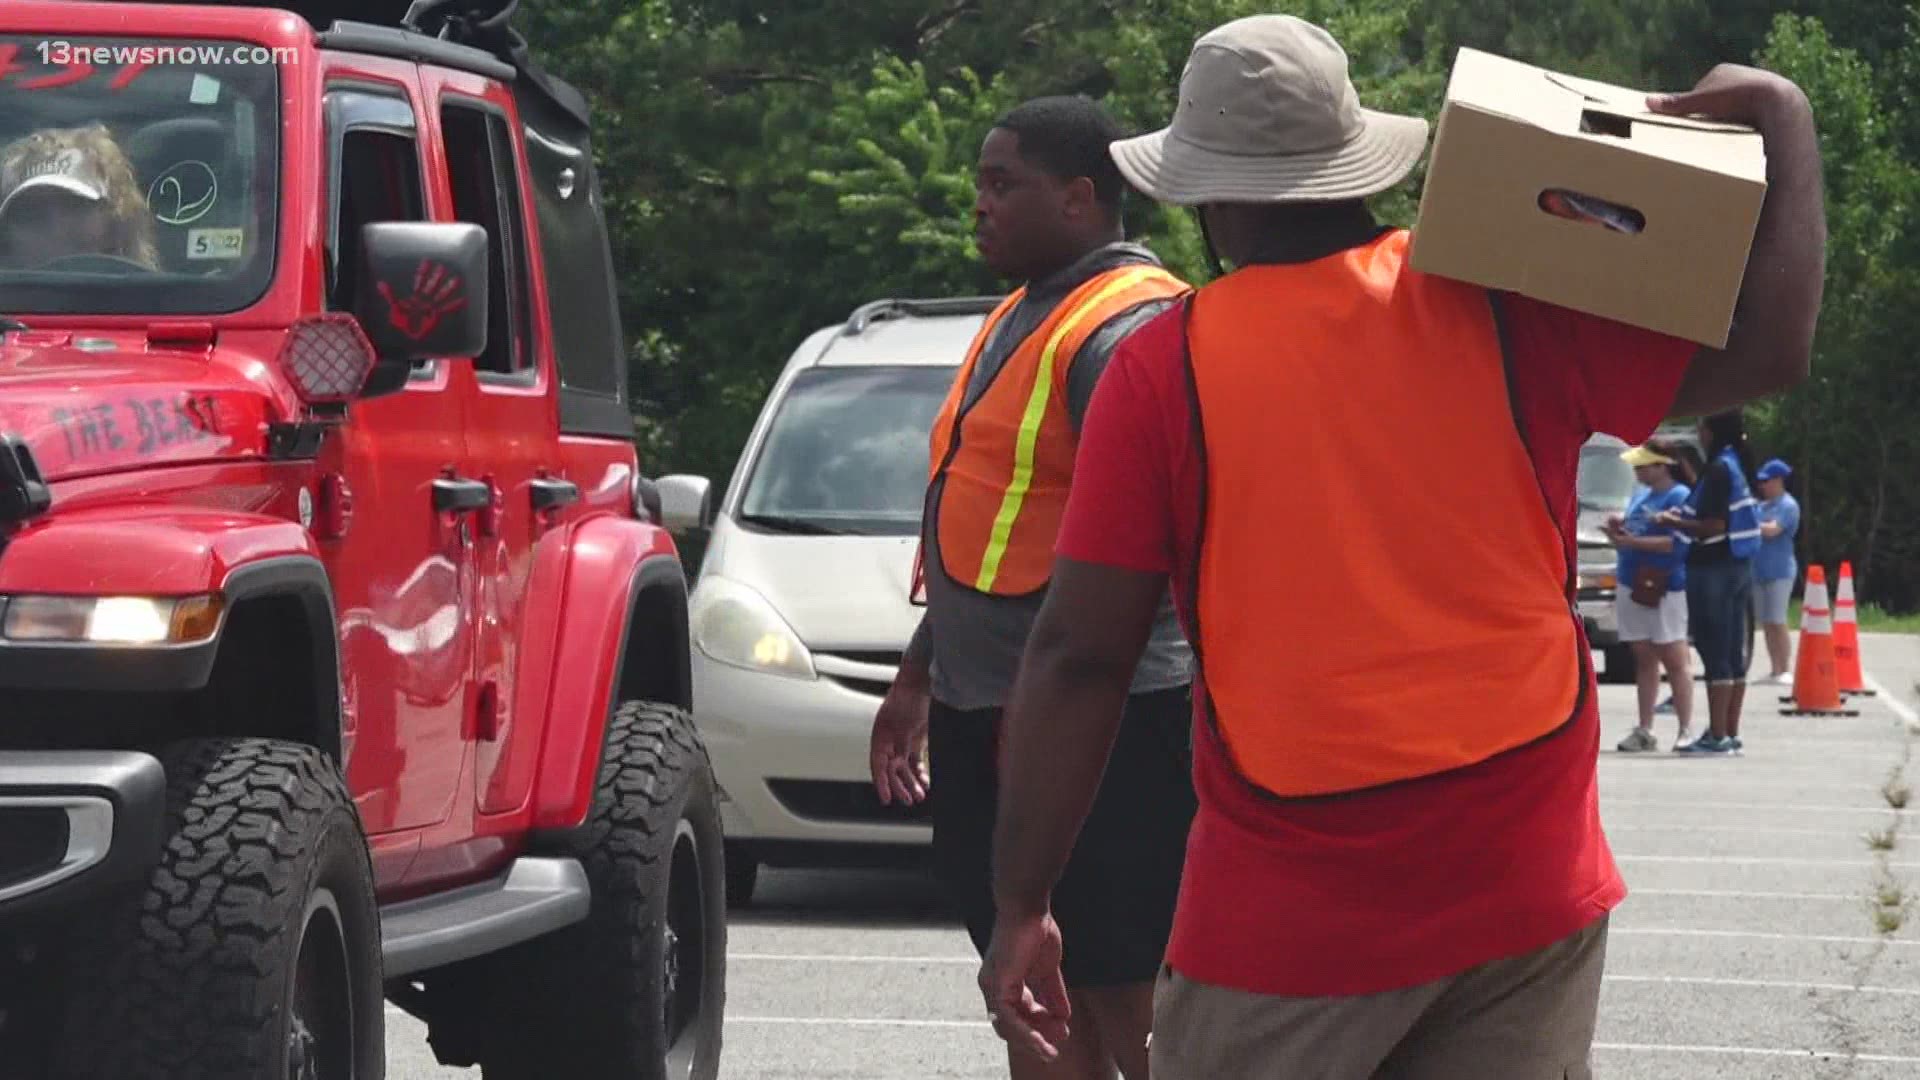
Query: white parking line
(858, 1021)
(1760, 1051)
(1684, 804)
(1762, 860)
(1616, 931)
(1736, 894)
(1755, 935)
(851, 958)
(1632, 1048)
(1691, 829)
(1892, 701)
(1762, 984)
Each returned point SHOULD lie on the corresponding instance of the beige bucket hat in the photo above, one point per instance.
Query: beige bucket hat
(1268, 114)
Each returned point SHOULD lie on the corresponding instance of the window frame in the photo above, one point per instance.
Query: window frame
(511, 251)
(358, 104)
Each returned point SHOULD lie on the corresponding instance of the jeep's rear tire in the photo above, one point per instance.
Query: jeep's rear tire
(637, 991)
(252, 949)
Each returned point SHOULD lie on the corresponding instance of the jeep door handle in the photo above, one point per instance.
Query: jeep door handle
(551, 493)
(453, 495)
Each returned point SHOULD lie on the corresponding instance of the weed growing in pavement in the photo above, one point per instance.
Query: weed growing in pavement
(1883, 839)
(1889, 903)
(1896, 792)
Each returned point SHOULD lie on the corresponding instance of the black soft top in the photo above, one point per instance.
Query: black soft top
(461, 30)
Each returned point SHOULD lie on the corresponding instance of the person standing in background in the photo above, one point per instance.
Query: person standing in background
(1723, 519)
(1776, 567)
(1651, 601)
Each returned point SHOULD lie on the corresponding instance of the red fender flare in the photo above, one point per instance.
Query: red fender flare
(615, 564)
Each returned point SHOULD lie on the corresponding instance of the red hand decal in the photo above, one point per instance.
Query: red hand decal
(436, 294)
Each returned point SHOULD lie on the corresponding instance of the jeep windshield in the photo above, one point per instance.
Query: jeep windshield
(137, 175)
(847, 453)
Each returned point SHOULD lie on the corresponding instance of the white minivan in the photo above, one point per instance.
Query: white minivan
(802, 606)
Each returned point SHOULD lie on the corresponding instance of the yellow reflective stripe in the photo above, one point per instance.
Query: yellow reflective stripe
(1036, 411)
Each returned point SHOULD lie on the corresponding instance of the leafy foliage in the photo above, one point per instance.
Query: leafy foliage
(769, 167)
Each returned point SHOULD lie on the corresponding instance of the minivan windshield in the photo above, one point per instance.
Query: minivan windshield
(137, 175)
(1605, 481)
(846, 452)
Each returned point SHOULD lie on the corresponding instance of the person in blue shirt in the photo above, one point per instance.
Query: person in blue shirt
(1775, 568)
(1652, 564)
(1722, 518)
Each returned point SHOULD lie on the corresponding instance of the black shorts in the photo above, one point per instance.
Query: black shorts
(1115, 901)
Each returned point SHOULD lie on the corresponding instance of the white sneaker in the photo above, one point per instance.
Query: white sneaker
(1685, 739)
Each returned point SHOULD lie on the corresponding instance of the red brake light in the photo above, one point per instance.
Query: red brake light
(328, 357)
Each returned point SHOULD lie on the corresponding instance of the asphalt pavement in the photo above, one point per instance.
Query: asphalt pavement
(1773, 932)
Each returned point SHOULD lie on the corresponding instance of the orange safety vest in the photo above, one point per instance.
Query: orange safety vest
(1007, 459)
(1382, 591)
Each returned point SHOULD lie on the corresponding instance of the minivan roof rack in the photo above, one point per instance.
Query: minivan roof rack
(894, 307)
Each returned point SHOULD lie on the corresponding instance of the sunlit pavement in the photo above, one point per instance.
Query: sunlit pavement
(1753, 945)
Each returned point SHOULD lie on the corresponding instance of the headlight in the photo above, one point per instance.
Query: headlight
(735, 625)
(1598, 579)
(111, 620)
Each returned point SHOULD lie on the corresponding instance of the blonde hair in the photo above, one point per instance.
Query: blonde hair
(126, 204)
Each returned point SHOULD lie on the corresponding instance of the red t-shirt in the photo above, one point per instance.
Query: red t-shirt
(1414, 881)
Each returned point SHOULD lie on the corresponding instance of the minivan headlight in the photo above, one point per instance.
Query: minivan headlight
(736, 626)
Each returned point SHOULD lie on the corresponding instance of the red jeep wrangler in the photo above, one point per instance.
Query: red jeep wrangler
(343, 646)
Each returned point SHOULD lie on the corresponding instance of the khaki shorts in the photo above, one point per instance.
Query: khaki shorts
(1528, 1018)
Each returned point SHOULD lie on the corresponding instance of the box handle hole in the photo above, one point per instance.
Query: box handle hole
(1600, 123)
(1585, 208)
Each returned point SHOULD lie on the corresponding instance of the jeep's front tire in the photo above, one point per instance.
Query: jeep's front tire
(637, 991)
(252, 949)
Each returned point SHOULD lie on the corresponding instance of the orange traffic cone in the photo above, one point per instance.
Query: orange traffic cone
(1816, 689)
(1846, 639)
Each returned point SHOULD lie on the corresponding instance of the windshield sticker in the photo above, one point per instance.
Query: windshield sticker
(216, 243)
(184, 193)
(67, 70)
(205, 91)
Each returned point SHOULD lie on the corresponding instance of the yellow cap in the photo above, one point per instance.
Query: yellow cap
(1640, 455)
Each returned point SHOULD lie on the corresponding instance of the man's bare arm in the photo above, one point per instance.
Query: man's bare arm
(1061, 722)
(1771, 346)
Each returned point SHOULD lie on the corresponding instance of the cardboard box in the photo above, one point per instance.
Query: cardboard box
(1518, 146)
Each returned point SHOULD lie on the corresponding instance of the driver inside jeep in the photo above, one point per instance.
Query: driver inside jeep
(67, 192)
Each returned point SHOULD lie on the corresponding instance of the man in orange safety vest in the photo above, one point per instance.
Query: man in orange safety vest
(1001, 456)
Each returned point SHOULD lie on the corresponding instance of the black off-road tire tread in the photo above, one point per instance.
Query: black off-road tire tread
(586, 1012)
(166, 983)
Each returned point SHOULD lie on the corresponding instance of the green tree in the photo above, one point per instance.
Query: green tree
(1852, 427)
(769, 167)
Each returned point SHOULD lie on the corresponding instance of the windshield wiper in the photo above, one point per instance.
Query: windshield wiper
(797, 526)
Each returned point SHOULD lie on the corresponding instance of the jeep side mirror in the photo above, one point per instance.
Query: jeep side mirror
(422, 293)
(686, 502)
